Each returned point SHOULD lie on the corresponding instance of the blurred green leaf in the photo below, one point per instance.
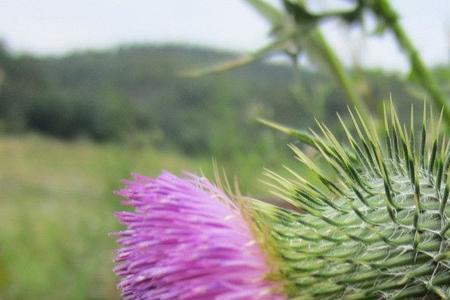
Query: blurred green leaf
(301, 136)
(277, 44)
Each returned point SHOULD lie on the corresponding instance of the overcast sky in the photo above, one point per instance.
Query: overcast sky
(58, 26)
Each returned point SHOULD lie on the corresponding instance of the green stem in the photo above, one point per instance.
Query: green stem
(384, 11)
(338, 70)
(336, 67)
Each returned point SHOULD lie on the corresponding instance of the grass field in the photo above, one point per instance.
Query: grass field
(56, 210)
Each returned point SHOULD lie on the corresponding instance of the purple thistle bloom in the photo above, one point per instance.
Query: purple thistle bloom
(187, 240)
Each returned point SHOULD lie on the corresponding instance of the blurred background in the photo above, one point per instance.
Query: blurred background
(92, 90)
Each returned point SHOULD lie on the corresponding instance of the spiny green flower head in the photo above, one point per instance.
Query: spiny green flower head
(377, 226)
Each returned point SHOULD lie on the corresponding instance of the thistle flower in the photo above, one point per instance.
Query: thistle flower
(187, 240)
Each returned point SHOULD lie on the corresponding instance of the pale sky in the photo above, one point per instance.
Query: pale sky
(58, 26)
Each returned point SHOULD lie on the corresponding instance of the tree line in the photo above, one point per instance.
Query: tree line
(136, 93)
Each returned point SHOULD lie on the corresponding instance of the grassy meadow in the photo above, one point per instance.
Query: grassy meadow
(57, 208)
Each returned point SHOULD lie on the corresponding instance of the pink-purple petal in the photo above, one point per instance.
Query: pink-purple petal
(187, 240)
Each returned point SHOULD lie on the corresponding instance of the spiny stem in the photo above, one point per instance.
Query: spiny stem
(384, 10)
(327, 53)
(337, 68)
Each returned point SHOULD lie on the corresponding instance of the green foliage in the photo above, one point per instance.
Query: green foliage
(132, 92)
(376, 219)
(21, 85)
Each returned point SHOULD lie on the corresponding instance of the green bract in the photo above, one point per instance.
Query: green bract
(377, 224)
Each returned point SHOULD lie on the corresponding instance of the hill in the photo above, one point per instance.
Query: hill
(135, 94)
